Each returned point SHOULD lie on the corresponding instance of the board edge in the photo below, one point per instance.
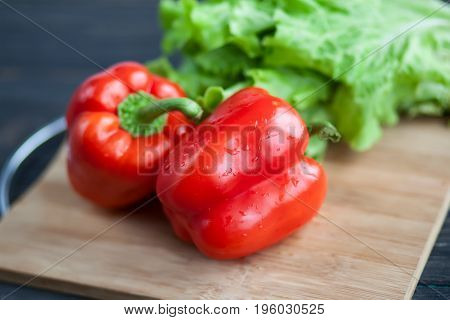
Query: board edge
(63, 286)
(429, 245)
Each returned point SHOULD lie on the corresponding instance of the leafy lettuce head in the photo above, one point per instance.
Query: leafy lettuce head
(357, 64)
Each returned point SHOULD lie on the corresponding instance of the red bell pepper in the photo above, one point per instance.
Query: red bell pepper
(233, 190)
(118, 133)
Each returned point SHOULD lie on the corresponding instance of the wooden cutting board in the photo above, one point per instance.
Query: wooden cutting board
(371, 241)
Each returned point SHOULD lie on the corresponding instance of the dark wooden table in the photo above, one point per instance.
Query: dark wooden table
(38, 73)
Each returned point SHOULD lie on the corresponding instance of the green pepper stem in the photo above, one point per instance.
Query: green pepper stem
(157, 108)
(325, 131)
(141, 114)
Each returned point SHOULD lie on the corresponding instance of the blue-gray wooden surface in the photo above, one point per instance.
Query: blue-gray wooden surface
(38, 74)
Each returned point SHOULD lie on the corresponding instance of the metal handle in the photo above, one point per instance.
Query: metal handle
(34, 141)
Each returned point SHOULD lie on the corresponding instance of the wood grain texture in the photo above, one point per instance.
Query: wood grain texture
(365, 244)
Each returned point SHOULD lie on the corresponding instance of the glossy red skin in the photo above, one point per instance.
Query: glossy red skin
(230, 214)
(164, 88)
(105, 163)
